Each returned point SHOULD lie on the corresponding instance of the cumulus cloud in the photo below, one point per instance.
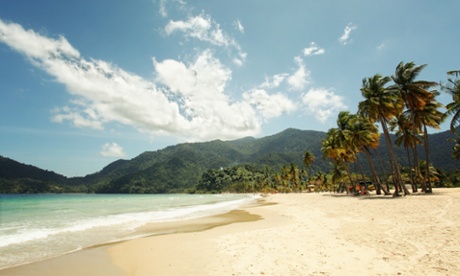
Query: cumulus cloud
(112, 150)
(203, 28)
(188, 100)
(313, 50)
(300, 78)
(345, 38)
(323, 103)
(201, 86)
(269, 105)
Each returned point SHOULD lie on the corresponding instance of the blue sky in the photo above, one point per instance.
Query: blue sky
(84, 83)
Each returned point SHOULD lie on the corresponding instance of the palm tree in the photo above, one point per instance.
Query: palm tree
(456, 148)
(364, 136)
(433, 174)
(295, 177)
(414, 92)
(337, 176)
(408, 139)
(308, 159)
(453, 108)
(429, 116)
(332, 147)
(381, 104)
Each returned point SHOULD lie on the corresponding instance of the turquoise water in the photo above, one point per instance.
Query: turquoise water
(38, 227)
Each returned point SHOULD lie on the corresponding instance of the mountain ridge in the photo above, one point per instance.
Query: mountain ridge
(179, 167)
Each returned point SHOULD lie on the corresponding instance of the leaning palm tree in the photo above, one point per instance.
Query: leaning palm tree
(364, 136)
(415, 93)
(381, 104)
(453, 108)
(409, 140)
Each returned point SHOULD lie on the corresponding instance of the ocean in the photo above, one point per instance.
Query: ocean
(41, 226)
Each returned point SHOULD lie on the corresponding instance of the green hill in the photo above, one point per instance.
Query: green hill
(179, 168)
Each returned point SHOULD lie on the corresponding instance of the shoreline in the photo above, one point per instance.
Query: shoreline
(289, 234)
(98, 258)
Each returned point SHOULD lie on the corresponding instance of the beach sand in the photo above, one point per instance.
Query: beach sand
(289, 234)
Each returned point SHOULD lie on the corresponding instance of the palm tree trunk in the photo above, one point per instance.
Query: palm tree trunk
(397, 180)
(427, 165)
(411, 175)
(378, 185)
(417, 170)
(360, 167)
(347, 168)
(384, 173)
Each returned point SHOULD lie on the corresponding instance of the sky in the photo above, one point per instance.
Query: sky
(84, 83)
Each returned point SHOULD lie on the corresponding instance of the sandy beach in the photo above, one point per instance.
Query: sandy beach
(289, 234)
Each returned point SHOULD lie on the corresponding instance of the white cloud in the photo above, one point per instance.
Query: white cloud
(269, 105)
(203, 28)
(345, 38)
(112, 150)
(313, 50)
(300, 78)
(201, 88)
(381, 46)
(323, 103)
(163, 10)
(189, 101)
(274, 82)
(163, 6)
(239, 26)
(86, 118)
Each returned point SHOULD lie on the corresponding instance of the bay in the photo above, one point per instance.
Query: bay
(41, 226)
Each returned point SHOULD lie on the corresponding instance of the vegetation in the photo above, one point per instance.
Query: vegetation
(286, 162)
(409, 107)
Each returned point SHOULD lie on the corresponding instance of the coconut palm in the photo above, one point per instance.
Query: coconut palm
(364, 136)
(409, 140)
(337, 176)
(456, 148)
(415, 93)
(381, 104)
(333, 147)
(453, 108)
(308, 159)
(433, 174)
(429, 116)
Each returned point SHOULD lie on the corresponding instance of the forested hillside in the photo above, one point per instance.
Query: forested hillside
(180, 168)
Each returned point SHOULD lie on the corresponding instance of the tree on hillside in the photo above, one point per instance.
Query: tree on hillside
(456, 148)
(453, 108)
(308, 159)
